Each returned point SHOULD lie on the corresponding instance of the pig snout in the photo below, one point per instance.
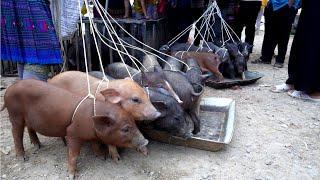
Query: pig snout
(151, 113)
(140, 143)
(144, 150)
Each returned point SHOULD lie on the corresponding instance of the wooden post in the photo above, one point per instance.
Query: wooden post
(88, 45)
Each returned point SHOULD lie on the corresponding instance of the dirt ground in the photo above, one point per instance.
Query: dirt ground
(275, 137)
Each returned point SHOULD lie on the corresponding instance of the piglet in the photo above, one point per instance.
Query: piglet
(156, 78)
(127, 94)
(150, 62)
(207, 61)
(175, 65)
(49, 110)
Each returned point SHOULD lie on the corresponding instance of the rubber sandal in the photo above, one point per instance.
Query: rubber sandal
(259, 61)
(281, 88)
(278, 65)
(302, 95)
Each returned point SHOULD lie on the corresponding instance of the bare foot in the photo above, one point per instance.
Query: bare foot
(147, 17)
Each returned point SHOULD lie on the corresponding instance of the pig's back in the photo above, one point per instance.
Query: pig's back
(43, 107)
(74, 81)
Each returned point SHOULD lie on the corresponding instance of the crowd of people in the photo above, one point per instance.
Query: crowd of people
(28, 36)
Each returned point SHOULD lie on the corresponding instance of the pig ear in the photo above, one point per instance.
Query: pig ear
(158, 69)
(111, 95)
(160, 105)
(127, 78)
(144, 79)
(102, 122)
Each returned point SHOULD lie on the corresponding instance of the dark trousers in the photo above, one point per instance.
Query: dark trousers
(277, 31)
(304, 62)
(247, 15)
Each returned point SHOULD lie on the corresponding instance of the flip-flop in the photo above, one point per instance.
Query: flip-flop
(302, 95)
(281, 88)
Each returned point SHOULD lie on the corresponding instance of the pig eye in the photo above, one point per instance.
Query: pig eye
(136, 100)
(125, 130)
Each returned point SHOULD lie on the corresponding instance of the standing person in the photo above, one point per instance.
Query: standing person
(28, 37)
(260, 14)
(304, 64)
(246, 17)
(278, 21)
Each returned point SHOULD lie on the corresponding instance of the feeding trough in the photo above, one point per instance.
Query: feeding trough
(251, 77)
(217, 125)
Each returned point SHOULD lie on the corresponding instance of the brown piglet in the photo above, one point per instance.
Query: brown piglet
(49, 110)
(207, 61)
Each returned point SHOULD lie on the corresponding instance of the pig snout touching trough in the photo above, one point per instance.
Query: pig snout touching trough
(207, 61)
(38, 106)
(149, 79)
(245, 50)
(238, 59)
(172, 117)
(174, 64)
(150, 62)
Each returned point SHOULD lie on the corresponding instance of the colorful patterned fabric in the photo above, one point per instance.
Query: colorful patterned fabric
(27, 33)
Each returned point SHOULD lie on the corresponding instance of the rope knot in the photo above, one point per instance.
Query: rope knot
(91, 96)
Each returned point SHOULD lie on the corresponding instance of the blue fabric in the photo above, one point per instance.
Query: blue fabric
(297, 4)
(278, 4)
(27, 33)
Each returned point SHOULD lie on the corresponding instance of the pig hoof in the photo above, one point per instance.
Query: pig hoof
(38, 146)
(71, 176)
(196, 131)
(115, 158)
(23, 158)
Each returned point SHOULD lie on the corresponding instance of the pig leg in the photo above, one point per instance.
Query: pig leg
(17, 133)
(64, 141)
(74, 147)
(113, 152)
(34, 138)
(196, 122)
(97, 149)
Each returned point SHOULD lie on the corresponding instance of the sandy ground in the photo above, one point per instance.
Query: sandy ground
(276, 137)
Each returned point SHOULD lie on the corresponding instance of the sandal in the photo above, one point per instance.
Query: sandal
(281, 88)
(278, 65)
(302, 95)
(260, 61)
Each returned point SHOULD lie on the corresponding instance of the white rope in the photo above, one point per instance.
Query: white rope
(101, 36)
(95, 40)
(75, 110)
(84, 49)
(110, 34)
(97, 90)
(108, 17)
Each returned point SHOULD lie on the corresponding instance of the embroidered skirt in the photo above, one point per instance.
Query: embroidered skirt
(27, 33)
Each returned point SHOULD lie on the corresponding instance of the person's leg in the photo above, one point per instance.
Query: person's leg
(38, 72)
(20, 67)
(253, 10)
(283, 33)
(258, 21)
(240, 19)
(126, 8)
(269, 43)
